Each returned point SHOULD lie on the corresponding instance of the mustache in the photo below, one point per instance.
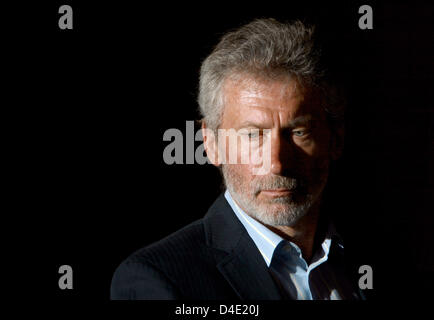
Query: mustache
(277, 182)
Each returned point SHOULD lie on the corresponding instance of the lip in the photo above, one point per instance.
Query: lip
(277, 192)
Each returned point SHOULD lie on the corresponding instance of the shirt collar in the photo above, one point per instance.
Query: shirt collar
(266, 240)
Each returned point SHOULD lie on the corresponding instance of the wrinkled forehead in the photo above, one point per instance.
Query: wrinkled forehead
(262, 99)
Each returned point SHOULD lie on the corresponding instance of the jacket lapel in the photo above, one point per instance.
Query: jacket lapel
(243, 266)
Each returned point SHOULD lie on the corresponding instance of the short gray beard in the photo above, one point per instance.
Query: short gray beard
(292, 208)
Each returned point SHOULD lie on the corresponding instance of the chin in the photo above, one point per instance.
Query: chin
(280, 214)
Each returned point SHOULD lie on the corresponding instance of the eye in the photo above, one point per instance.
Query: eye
(253, 134)
(299, 133)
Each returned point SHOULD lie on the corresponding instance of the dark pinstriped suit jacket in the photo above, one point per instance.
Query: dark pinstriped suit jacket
(213, 258)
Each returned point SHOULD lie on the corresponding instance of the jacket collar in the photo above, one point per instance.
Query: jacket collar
(242, 266)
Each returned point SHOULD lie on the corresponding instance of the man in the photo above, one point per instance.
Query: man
(266, 237)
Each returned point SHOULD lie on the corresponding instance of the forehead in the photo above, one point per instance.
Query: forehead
(247, 97)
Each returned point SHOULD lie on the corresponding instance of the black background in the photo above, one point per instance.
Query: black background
(91, 106)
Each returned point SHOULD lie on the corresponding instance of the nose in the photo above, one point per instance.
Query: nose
(282, 153)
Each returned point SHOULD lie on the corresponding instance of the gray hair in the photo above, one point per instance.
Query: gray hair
(267, 48)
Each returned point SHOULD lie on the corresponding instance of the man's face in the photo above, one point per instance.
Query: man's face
(298, 140)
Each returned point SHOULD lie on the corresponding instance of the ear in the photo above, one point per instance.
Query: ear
(337, 142)
(210, 144)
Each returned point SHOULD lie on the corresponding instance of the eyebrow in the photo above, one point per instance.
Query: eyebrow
(253, 124)
(299, 121)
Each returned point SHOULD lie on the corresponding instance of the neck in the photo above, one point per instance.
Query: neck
(302, 233)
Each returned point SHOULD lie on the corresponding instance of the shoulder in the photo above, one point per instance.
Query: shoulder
(190, 243)
(162, 269)
(181, 263)
(189, 240)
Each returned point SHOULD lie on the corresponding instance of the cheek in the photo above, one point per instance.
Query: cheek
(319, 164)
(308, 148)
(315, 157)
(318, 146)
(240, 172)
(245, 174)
